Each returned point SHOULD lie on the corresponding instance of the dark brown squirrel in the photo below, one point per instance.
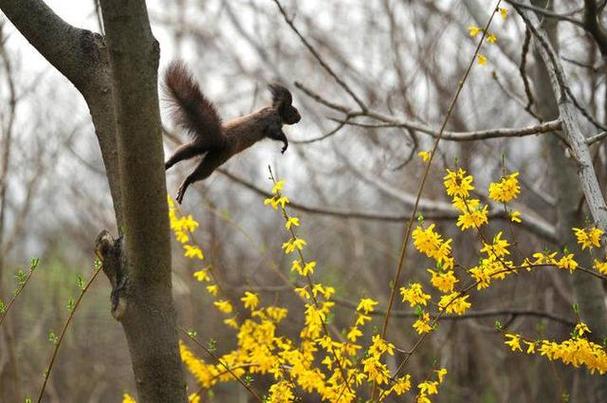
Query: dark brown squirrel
(194, 113)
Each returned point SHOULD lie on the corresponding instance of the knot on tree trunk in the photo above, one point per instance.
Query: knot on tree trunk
(110, 252)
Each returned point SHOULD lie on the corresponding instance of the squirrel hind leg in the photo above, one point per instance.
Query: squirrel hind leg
(184, 152)
(205, 168)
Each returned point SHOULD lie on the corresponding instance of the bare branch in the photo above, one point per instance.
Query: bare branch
(390, 121)
(320, 60)
(571, 128)
(593, 25)
(549, 13)
(430, 209)
(73, 51)
(595, 138)
(522, 69)
(469, 315)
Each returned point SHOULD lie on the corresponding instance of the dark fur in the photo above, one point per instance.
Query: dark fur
(193, 112)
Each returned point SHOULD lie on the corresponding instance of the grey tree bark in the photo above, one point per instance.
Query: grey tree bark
(571, 182)
(117, 76)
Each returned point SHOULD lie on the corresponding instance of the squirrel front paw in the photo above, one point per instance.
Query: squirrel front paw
(180, 194)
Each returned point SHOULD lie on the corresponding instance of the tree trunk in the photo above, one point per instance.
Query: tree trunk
(149, 320)
(117, 75)
(588, 291)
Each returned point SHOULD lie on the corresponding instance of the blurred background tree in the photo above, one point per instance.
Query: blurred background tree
(352, 176)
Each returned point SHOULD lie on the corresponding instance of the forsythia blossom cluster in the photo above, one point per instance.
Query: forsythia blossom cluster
(576, 351)
(316, 362)
(491, 38)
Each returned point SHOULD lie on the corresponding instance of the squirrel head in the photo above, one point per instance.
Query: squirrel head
(282, 102)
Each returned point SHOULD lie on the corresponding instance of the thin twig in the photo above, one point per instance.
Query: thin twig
(403, 252)
(550, 14)
(469, 315)
(522, 69)
(597, 137)
(391, 122)
(405, 242)
(63, 331)
(340, 125)
(320, 60)
(534, 225)
(593, 68)
(22, 285)
(514, 97)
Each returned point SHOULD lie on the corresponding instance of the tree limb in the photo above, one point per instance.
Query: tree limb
(390, 121)
(469, 315)
(75, 52)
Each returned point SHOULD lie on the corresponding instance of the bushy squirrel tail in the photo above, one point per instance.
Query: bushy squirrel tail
(189, 108)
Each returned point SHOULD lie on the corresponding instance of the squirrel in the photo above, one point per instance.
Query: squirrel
(194, 113)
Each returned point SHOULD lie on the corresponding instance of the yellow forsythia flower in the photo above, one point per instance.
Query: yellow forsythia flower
(428, 388)
(126, 398)
(276, 313)
(202, 275)
(213, 289)
(481, 59)
(454, 303)
(580, 329)
(424, 155)
(473, 218)
(457, 183)
(250, 300)
(414, 295)
(506, 189)
(530, 347)
(499, 247)
(514, 342)
(402, 385)
(362, 319)
(473, 30)
(440, 373)
(576, 351)
(292, 221)
(282, 201)
(588, 237)
(567, 262)
(431, 244)
(308, 268)
(276, 201)
(302, 292)
(281, 392)
(422, 325)
(354, 334)
(224, 306)
(515, 216)
(231, 322)
(193, 252)
(444, 281)
(376, 371)
(503, 12)
(294, 244)
(366, 305)
(601, 267)
(278, 187)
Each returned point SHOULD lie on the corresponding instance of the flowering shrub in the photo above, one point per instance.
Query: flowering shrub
(322, 362)
(352, 365)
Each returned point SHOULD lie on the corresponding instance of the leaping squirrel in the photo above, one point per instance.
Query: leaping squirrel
(194, 113)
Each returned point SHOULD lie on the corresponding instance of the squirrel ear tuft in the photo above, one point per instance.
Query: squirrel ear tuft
(280, 94)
